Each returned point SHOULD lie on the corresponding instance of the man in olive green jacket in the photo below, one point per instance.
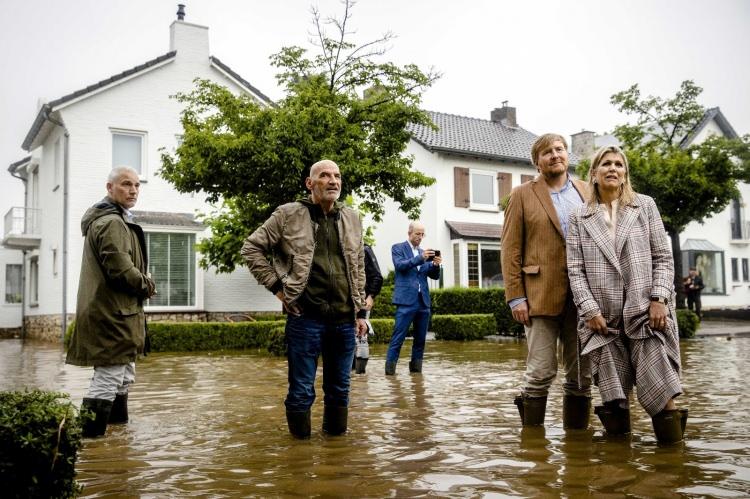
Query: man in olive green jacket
(110, 324)
(318, 273)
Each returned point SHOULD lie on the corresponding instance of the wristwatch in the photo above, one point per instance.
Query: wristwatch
(661, 300)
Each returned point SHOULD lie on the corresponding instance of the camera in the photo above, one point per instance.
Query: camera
(431, 258)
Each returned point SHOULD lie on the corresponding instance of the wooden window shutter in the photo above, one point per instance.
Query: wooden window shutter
(504, 184)
(526, 178)
(461, 186)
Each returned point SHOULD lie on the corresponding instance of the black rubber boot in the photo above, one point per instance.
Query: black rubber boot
(683, 419)
(360, 365)
(415, 366)
(668, 426)
(119, 413)
(299, 423)
(335, 419)
(531, 410)
(390, 367)
(615, 419)
(96, 425)
(576, 410)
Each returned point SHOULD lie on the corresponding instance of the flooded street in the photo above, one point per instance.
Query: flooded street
(212, 425)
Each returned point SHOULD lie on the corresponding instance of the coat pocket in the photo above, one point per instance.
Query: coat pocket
(530, 269)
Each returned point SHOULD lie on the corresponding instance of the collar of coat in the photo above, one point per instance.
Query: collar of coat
(593, 222)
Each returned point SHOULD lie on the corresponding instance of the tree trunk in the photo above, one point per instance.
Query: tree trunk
(674, 236)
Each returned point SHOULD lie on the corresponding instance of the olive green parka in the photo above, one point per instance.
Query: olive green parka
(110, 323)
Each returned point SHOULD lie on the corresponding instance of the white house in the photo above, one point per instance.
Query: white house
(719, 248)
(475, 163)
(75, 141)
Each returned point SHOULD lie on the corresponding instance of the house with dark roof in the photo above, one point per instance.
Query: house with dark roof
(476, 163)
(74, 142)
(719, 248)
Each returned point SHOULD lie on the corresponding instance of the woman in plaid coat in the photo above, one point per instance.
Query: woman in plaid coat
(622, 278)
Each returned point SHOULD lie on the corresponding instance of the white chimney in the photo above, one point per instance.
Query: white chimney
(189, 40)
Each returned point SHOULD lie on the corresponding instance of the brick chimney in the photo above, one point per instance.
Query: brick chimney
(505, 115)
(189, 40)
(583, 144)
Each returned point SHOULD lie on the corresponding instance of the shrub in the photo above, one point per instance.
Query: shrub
(464, 327)
(687, 322)
(194, 336)
(40, 435)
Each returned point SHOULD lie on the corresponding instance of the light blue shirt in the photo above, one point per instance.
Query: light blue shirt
(566, 200)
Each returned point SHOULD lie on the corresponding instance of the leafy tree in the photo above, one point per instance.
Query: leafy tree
(689, 182)
(249, 158)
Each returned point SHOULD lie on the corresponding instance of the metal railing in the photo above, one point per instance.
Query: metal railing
(22, 221)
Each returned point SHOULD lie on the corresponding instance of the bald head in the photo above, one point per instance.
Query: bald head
(416, 233)
(324, 184)
(323, 163)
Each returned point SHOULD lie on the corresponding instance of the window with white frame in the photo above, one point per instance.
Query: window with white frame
(483, 265)
(13, 283)
(745, 270)
(128, 149)
(34, 281)
(171, 261)
(483, 190)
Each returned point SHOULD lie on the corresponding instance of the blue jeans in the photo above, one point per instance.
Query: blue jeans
(307, 339)
(419, 314)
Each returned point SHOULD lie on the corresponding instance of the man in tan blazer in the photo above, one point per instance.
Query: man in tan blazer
(536, 283)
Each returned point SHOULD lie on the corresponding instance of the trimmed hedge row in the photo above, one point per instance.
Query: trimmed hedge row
(269, 335)
(40, 436)
(460, 301)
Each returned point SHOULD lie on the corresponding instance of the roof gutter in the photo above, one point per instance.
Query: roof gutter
(66, 159)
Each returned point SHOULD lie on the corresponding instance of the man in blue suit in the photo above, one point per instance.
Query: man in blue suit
(411, 296)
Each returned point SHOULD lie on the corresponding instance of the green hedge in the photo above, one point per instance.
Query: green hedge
(465, 327)
(687, 322)
(195, 336)
(40, 436)
(460, 301)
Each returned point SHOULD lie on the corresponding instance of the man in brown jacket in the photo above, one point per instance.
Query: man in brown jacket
(536, 283)
(318, 273)
(110, 323)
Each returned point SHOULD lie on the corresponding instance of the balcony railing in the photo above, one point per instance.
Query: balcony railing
(21, 221)
(739, 231)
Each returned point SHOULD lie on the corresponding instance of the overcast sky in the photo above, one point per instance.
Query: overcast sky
(557, 62)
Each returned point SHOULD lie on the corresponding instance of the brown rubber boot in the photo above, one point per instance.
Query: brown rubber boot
(668, 426)
(576, 410)
(615, 419)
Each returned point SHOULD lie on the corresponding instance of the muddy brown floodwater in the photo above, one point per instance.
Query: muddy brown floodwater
(212, 425)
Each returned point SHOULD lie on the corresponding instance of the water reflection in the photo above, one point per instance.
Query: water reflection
(213, 425)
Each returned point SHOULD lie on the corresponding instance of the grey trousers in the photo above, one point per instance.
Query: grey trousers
(109, 381)
(542, 339)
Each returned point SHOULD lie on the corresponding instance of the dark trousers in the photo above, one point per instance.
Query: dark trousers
(307, 339)
(419, 314)
(694, 300)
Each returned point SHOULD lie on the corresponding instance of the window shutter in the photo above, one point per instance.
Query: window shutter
(461, 186)
(526, 178)
(504, 184)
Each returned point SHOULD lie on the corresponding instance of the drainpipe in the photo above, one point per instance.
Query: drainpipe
(23, 263)
(66, 158)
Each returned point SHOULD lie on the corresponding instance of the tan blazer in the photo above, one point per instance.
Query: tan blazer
(533, 249)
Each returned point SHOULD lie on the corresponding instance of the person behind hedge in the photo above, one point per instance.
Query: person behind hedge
(318, 273)
(373, 285)
(622, 277)
(110, 326)
(536, 283)
(413, 265)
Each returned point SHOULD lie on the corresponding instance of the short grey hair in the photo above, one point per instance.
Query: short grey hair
(415, 224)
(119, 171)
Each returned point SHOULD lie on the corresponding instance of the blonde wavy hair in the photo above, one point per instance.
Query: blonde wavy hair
(627, 194)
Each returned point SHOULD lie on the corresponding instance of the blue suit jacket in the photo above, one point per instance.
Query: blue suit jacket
(409, 280)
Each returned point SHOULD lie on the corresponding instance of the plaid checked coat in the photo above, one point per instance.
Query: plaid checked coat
(618, 279)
